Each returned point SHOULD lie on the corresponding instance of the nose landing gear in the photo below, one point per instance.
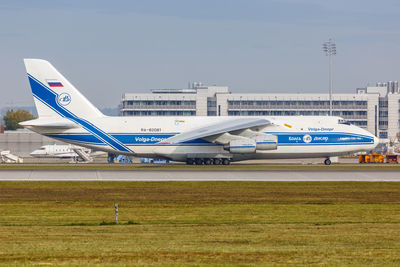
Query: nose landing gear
(327, 161)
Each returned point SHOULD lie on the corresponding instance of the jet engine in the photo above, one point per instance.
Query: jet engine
(266, 141)
(239, 146)
(246, 141)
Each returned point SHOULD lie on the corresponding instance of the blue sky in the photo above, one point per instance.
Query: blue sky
(107, 48)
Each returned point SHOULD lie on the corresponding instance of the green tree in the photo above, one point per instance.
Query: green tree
(11, 119)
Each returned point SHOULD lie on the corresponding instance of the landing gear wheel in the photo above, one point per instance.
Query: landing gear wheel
(217, 161)
(190, 161)
(207, 161)
(327, 162)
(199, 161)
(226, 162)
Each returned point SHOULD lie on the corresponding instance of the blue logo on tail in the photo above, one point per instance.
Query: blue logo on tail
(64, 99)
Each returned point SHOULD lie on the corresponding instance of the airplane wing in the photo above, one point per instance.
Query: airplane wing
(214, 132)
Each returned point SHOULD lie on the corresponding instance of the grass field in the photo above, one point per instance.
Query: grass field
(199, 223)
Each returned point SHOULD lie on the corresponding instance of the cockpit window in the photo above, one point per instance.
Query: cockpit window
(344, 122)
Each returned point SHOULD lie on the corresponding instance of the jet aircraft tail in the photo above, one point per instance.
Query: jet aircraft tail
(54, 95)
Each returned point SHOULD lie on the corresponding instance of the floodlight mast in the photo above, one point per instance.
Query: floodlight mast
(329, 48)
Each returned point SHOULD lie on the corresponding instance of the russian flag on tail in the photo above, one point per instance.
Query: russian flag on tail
(55, 84)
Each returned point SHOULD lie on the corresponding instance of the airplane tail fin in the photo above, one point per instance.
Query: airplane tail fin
(54, 95)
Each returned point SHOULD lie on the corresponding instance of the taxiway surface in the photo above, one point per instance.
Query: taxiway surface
(177, 175)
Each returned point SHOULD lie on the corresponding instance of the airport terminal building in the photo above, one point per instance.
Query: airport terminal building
(375, 108)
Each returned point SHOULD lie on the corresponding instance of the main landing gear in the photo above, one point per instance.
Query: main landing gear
(327, 161)
(208, 161)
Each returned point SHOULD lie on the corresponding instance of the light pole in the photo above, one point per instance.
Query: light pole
(330, 50)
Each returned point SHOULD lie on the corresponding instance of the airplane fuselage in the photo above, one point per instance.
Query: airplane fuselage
(298, 137)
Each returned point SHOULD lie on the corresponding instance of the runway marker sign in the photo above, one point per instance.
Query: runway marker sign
(116, 212)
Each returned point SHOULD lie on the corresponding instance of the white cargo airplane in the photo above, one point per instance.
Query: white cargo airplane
(65, 114)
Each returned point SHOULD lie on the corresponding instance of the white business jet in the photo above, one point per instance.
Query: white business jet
(66, 151)
(65, 114)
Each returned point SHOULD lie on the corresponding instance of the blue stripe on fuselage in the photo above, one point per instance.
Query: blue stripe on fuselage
(284, 139)
(80, 138)
(330, 138)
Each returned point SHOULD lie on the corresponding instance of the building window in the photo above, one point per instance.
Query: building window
(383, 103)
(383, 113)
(211, 104)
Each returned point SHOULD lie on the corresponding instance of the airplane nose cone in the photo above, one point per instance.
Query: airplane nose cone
(35, 153)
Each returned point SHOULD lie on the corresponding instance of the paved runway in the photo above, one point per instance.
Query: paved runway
(127, 175)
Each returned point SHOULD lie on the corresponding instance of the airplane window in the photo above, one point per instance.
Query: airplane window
(344, 122)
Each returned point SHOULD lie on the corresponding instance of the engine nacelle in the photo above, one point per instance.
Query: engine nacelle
(266, 142)
(241, 146)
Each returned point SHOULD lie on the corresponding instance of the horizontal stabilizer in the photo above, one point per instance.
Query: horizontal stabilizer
(58, 123)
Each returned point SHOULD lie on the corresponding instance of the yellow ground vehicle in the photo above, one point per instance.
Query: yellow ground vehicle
(378, 158)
